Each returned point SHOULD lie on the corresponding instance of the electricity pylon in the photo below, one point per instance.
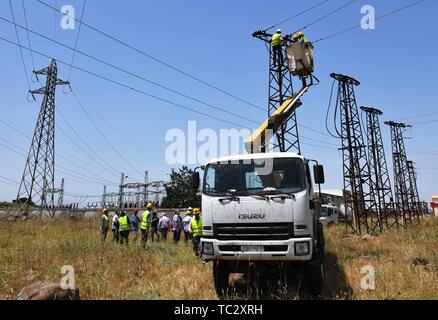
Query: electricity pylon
(358, 192)
(380, 181)
(39, 171)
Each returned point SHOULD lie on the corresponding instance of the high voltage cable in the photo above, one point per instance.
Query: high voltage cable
(151, 57)
(135, 90)
(378, 18)
(128, 72)
(28, 35)
(21, 51)
(149, 81)
(103, 136)
(115, 171)
(77, 40)
(326, 16)
(58, 167)
(297, 15)
(57, 154)
(113, 128)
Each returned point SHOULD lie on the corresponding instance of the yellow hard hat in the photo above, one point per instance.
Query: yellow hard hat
(150, 206)
(295, 36)
(104, 210)
(196, 211)
(300, 34)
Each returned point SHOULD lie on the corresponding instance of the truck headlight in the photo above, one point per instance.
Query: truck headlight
(207, 248)
(302, 248)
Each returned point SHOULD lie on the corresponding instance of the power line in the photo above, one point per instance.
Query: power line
(59, 168)
(132, 89)
(21, 51)
(420, 116)
(57, 154)
(378, 18)
(119, 132)
(326, 16)
(9, 181)
(77, 40)
(103, 136)
(152, 57)
(130, 73)
(297, 15)
(28, 35)
(115, 172)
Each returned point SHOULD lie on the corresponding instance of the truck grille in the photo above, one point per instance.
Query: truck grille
(254, 231)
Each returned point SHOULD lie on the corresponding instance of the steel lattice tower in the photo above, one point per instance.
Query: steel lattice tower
(280, 89)
(380, 181)
(414, 195)
(39, 171)
(358, 193)
(401, 172)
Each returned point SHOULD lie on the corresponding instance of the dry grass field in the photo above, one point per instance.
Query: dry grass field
(405, 261)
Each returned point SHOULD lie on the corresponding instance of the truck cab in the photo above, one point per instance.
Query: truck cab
(261, 209)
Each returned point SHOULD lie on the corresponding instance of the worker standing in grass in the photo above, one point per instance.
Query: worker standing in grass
(146, 222)
(104, 225)
(135, 221)
(164, 226)
(195, 230)
(154, 226)
(124, 228)
(115, 227)
(177, 227)
(186, 224)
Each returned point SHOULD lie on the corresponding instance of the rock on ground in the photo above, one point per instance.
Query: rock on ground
(47, 291)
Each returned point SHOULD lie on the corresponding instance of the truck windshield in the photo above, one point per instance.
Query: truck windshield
(243, 178)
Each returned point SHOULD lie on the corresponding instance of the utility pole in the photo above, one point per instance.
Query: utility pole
(145, 188)
(380, 181)
(121, 191)
(358, 193)
(402, 183)
(104, 197)
(61, 195)
(414, 195)
(280, 89)
(39, 172)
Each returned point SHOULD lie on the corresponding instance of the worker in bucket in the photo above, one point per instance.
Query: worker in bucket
(195, 229)
(104, 225)
(277, 50)
(301, 37)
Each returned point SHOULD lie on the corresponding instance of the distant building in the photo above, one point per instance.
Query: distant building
(334, 197)
(434, 205)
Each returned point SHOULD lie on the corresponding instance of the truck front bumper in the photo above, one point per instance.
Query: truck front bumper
(291, 250)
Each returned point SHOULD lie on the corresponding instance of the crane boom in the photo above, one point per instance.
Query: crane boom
(258, 141)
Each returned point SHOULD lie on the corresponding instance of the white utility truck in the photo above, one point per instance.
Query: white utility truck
(260, 213)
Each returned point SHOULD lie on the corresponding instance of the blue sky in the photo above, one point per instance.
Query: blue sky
(212, 40)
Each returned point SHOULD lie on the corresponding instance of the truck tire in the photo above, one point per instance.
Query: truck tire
(221, 276)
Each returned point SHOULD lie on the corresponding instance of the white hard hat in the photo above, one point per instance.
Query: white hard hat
(279, 31)
(190, 209)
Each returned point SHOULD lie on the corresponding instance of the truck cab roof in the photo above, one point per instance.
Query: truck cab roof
(273, 155)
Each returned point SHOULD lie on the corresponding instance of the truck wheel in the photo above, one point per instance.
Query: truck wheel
(315, 278)
(221, 275)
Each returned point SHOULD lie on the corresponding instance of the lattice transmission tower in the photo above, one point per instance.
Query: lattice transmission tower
(358, 193)
(39, 171)
(379, 174)
(402, 177)
(280, 89)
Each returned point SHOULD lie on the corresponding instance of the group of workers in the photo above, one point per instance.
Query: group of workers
(150, 224)
(278, 40)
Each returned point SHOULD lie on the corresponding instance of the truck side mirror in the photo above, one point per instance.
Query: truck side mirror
(318, 174)
(195, 181)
